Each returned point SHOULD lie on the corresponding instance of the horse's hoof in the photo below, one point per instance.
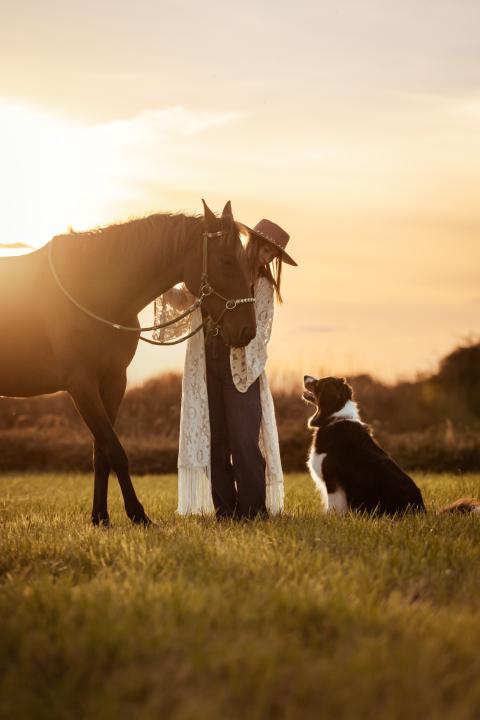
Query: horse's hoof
(101, 521)
(142, 519)
(150, 524)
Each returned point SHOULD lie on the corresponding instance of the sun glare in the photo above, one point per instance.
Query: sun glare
(52, 175)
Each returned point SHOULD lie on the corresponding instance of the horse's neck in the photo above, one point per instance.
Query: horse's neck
(161, 265)
(124, 272)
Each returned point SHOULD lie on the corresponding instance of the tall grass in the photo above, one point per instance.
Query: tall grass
(301, 616)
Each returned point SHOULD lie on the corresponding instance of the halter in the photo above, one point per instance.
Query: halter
(206, 289)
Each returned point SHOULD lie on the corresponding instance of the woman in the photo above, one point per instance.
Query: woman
(229, 457)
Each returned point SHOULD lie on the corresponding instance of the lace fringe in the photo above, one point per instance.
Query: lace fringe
(275, 495)
(194, 491)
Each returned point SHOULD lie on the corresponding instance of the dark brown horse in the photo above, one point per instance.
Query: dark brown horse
(48, 344)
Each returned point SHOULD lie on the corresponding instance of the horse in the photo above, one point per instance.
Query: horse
(63, 309)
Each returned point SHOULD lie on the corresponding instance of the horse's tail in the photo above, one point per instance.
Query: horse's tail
(464, 505)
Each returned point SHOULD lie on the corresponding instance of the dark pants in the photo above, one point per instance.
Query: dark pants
(237, 465)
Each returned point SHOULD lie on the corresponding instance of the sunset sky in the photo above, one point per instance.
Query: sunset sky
(354, 125)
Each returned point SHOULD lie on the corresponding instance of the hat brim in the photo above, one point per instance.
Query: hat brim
(285, 256)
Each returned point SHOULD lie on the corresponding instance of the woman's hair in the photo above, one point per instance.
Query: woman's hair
(273, 274)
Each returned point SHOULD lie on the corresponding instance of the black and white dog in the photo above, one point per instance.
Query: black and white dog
(349, 468)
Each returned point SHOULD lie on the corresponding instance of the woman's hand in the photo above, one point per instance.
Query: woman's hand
(180, 298)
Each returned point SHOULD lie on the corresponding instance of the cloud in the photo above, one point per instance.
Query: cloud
(152, 147)
(157, 124)
(55, 174)
(14, 246)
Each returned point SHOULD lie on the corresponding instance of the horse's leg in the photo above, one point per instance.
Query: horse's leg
(112, 390)
(86, 395)
(101, 469)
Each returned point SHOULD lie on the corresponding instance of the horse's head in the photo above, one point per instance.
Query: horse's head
(227, 275)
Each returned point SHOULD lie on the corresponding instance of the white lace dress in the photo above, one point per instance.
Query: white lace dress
(247, 364)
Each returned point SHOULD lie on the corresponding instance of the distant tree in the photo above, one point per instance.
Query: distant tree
(460, 373)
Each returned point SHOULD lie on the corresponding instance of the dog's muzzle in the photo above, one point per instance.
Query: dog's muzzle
(308, 382)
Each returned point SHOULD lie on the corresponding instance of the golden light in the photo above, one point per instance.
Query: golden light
(52, 175)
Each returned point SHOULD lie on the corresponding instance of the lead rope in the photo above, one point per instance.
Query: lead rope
(116, 326)
(205, 290)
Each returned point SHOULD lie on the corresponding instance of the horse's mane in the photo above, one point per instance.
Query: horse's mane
(127, 239)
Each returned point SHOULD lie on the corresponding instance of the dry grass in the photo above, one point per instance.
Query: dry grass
(299, 616)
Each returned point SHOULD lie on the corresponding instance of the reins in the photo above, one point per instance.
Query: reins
(205, 290)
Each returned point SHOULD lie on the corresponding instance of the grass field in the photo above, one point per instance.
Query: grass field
(303, 616)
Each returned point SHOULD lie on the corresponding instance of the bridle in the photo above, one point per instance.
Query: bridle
(206, 289)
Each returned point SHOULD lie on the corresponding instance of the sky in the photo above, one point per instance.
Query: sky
(353, 125)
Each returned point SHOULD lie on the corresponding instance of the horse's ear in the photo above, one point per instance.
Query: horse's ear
(208, 214)
(227, 210)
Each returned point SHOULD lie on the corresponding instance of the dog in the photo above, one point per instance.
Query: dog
(349, 468)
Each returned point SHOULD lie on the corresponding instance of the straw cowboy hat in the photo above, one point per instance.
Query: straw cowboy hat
(274, 234)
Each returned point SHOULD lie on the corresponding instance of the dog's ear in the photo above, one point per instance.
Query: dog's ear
(347, 392)
(349, 389)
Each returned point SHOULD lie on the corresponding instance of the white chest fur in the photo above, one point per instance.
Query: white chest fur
(315, 462)
(336, 501)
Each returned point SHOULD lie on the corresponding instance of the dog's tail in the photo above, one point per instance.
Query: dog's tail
(464, 505)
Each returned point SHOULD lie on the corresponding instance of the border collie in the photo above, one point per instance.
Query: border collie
(349, 468)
